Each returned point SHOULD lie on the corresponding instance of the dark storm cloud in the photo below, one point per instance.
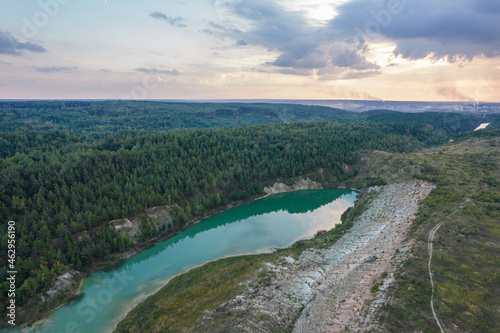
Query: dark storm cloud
(344, 55)
(56, 69)
(445, 29)
(273, 26)
(302, 47)
(451, 29)
(174, 21)
(277, 29)
(11, 45)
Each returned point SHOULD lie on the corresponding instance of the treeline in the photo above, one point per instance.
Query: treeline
(429, 127)
(86, 117)
(101, 116)
(62, 188)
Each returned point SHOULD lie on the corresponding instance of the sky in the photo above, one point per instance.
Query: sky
(408, 50)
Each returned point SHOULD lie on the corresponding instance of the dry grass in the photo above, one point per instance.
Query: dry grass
(466, 263)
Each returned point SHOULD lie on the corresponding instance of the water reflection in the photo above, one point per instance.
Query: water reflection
(298, 202)
(272, 222)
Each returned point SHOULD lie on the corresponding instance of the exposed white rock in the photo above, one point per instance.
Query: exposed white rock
(301, 184)
(125, 227)
(158, 217)
(63, 282)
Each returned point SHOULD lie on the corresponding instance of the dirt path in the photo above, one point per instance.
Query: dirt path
(332, 289)
(432, 233)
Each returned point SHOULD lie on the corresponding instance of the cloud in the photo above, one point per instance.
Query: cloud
(450, 29)
(352, 75)
(158, 71)
(11, 45)
(303, 47)
(56, 69)
(456, 31)
(221, 31)
(174, 21)
(276, 29)
(348, 56)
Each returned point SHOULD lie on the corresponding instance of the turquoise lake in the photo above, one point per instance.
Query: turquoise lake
(275, 221)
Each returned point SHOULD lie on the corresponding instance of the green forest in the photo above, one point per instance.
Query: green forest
(68, 168)
(86, 117)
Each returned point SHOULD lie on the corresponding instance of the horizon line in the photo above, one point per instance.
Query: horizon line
(237, 99)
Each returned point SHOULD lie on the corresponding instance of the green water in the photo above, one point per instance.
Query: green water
(276, 221)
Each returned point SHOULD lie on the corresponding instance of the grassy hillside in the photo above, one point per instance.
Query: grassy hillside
(466, 248)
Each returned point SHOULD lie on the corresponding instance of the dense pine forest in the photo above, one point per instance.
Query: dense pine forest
(87, 117)
(68, 168)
